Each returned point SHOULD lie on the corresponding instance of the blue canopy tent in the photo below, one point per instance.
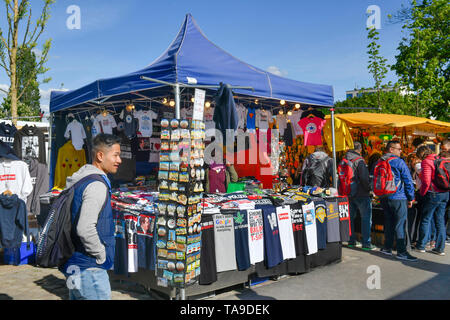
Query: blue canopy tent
(191, 59)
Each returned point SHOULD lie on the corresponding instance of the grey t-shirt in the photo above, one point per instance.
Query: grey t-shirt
(333, 233)
(224, 242)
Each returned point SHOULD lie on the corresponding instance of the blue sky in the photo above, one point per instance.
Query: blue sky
(322, 41)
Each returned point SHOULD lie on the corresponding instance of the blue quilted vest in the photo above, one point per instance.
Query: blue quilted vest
(105, 229)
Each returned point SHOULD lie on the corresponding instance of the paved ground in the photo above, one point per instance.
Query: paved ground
(427, 279)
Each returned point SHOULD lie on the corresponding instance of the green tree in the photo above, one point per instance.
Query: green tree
(376, 64)
(424, 55)
(16, 11)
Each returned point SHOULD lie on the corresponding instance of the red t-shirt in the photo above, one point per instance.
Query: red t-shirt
(312, 130)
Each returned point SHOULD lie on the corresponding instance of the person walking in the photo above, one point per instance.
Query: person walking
(396, 206)
(92, 223)
(360, 201)
(435, 201)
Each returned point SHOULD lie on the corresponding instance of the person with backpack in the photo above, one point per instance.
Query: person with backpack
(317, 169)
(435, 190)
(354, 182)
(392, 182)
(92, 223)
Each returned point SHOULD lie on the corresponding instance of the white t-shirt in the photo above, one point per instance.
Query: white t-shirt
(309, 215)
(76, 133)
(107, 123)
(255, 235)
(146, 122)
(295, 118)
(282, 123)
(186, 113)
(242, 114)
(262, 119)
(155, 148)
(15, 176)
(95, 129)
(286, 233)
(224, 242)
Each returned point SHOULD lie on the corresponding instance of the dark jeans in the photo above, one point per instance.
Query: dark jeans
(363, 205)
(395, 214)
(434, 207)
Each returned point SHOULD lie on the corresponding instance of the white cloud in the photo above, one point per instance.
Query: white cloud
(3, 87)
(277, 71)
(45, 94)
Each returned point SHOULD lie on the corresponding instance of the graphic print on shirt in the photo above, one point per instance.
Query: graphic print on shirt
(344, 219)
(146, 224)
(131, 228)
(310, 227)
(286, 234)
(333, 234)
(30, 147)
(224, 242)
(255, 235)
(298, 228)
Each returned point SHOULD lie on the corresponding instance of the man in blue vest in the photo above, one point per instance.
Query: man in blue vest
(92, 223)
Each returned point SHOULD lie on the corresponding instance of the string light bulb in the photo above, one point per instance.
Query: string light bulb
(172, 103)
(192, 99)
(207, 104)
(164, 101)
(297, 106)
(256, 101)
(289, 113)
(282, 102)
(281, 112)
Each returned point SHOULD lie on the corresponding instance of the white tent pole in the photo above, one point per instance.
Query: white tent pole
(334, 149)
(177, 101)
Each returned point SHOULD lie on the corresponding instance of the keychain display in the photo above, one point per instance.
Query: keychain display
(181, 183)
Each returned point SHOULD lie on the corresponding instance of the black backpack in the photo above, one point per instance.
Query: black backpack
(55, 245)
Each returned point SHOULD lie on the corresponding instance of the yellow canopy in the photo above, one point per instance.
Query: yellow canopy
(380, 121)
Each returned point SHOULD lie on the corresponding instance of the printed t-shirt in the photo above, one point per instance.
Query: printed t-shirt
(242, 114)
(255, 235)
(333, 233)
(7, 132)
(15, 176)
(272, 245)
(298, 227)
(321, 223)
(344, 218)
(29, 142)
(241, 240)
(130, 123)
(208, 268)
(286, 234)
(263, 117)
(312, 130)
(76, 133)
(295, 118)
(282, 123)
(310, 228)
(96, 127)
(146, 122)
(131, 221)
(145, 232)
(155, 148)
(121, 248)
(251, 119)
(224, 243)
(107, 123)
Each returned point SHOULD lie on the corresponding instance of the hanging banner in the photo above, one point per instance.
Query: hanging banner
(199, 104)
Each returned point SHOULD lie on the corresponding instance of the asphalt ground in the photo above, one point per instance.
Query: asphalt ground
(359, 275)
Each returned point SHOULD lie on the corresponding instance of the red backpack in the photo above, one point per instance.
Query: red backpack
(346, 181)
(442, 173)
(383, 178)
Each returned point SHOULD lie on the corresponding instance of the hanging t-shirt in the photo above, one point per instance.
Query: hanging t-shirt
(251, 119)
(321, 223)
(76, 133)
(255, 235)
(312, 130)
(29, 143)
(224, 242)
(186, 113)
(263, 118)
(288, 137)
(121, 248)
(107, 123)
(242, 114)
(155, 148)
(310, 227)
(295, 118)
(96, 127)
(130, 123)
(241, 240)
(298, 228)
(131, 221)
(208, 268)
(7, 132)
(272, 245)
(15, 176)
(286, 234)
(68, 162)
(333, 233)
(146, 122)
(127, 169)
(344, 219)
(145, 232)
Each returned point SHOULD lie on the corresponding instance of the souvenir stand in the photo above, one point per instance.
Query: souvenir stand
(373, 130)
(171, 205)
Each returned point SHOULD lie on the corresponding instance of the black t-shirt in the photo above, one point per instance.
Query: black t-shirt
(29, 142)
(208, 267)
(241, 240)
(127, 169)
(7, 132)
(344, 218)
(298, 227)
(321, 222)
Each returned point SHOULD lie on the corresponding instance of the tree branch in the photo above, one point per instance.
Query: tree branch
(4, 91)
(28, 28)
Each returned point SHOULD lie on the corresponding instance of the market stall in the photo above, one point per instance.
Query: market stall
(374, 130)
(169, 198)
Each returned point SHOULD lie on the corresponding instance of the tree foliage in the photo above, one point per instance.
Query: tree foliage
(424, 56)
(376, 64)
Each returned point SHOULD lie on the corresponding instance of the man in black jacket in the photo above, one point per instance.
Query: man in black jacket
(360, 201)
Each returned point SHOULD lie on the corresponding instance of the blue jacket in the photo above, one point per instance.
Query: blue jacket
(225, 113)
(105, 229)
(401, 173)
(13, 221)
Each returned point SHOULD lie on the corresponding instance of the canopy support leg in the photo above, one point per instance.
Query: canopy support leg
(334, 149)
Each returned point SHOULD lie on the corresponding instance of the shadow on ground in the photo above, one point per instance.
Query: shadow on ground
(4, 296)
(54, 285)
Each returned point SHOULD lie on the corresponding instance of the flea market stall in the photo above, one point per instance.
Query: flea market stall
(177, 228)
(373, 130)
